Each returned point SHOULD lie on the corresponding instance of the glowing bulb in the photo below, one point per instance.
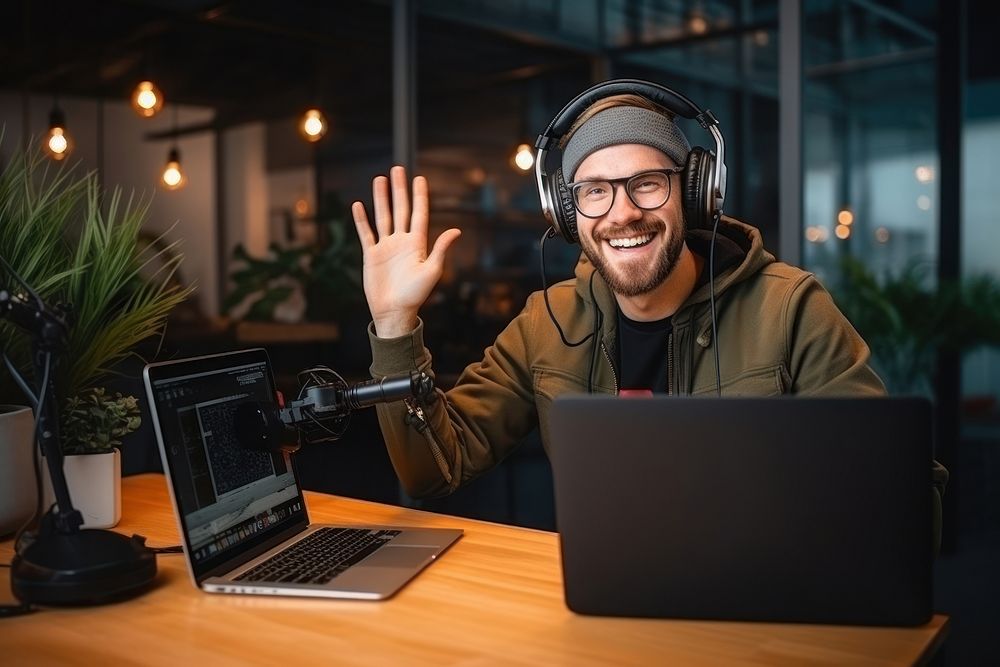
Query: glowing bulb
(816, 234)
(845, 217)
(313, 125)
(882, 235)
(524, 158)
(924, 173)
(173, 176)
(147, 100)
(697, 24)
(301, 208)
(842, 231)
(57, 143)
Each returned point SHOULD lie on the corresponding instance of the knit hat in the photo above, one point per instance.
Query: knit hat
(624, 125)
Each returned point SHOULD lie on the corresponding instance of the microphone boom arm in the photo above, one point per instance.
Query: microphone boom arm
(49, 329)
(338, 400)
(323, 408)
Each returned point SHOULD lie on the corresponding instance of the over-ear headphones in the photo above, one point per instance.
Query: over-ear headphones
(703, 181)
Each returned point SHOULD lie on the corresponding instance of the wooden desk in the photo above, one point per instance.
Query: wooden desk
(495, 598)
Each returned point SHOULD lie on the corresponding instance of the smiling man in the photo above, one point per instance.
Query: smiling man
(636, 318)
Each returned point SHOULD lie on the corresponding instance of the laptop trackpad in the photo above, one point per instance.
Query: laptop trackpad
(389, 556)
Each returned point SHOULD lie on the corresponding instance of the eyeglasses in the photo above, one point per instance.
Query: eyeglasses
(648, 190)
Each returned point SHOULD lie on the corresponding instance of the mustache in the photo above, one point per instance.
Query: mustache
(638, 228)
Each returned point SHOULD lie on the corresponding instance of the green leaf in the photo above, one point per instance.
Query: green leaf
(78, 245)
(907, 319)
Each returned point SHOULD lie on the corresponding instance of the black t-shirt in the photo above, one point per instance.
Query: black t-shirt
(642, 354)
(642, 346)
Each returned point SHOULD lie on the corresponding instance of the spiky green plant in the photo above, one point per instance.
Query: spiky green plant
(75, 247)
(907, 320)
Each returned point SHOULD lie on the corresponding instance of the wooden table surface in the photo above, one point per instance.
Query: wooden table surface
(495, 598)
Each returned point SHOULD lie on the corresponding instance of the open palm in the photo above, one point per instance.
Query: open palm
(399, 273)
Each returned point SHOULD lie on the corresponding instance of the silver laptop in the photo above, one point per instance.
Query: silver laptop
(754, 509)
(241, 513)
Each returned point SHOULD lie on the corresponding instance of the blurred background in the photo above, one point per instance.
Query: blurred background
(862, 139)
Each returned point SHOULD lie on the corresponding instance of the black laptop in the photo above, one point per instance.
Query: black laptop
(759, 509)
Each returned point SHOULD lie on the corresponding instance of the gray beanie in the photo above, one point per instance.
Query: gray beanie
(624, 125)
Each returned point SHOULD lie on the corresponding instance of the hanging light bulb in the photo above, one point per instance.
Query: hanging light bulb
(147, 100)
(313, 125)
(57, 143)
(173, 177)
(697, 22)
(524, 159)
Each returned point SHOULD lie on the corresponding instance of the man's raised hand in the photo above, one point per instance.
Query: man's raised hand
(399, 274)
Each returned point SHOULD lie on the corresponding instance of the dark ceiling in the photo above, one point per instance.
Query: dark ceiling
(269, 59)
(251, 59)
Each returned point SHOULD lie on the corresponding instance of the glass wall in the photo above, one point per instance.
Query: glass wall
(869, 141)
(869, 149)
(980, 230)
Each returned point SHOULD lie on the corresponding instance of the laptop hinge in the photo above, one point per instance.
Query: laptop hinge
(230, 564)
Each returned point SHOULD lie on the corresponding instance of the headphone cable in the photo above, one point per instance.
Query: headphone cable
(711, 284)
(549, 233)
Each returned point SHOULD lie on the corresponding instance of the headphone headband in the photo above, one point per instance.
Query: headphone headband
(673, 101)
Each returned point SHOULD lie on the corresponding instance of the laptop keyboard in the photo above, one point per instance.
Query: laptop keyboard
(319, 557)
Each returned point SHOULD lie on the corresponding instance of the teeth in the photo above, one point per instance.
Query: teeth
(630, 242)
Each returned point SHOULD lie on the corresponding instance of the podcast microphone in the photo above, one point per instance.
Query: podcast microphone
(322, 414)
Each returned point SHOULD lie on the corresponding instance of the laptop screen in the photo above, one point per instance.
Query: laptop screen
(230, 499)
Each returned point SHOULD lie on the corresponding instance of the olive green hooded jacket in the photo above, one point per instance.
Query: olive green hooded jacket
(779, 332)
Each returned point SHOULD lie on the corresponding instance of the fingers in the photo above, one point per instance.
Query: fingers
(400, 199)
(380, 202)
(421, 206)
(361, 223)
(442, 244)
(395, 215)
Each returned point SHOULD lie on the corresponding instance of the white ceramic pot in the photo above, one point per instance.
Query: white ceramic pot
(18, 493)
(95, 487)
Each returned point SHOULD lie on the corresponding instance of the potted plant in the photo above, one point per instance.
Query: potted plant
(315, 282)
(907, 319)
(78, 247)
(92, 426)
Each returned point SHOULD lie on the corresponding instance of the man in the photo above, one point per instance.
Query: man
(637, 316)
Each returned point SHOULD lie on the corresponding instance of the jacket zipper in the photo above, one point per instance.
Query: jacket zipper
(415, 417)
(670, 363)
(614, 375)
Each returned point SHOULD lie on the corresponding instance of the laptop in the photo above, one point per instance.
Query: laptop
(241, 513)
(785, 509)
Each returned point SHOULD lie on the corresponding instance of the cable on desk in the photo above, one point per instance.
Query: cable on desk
(175, 549)
(12, 610)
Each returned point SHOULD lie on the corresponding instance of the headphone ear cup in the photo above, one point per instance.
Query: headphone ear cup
(695, 185)
(564, 210)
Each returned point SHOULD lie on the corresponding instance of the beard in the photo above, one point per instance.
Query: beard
(635, 278)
